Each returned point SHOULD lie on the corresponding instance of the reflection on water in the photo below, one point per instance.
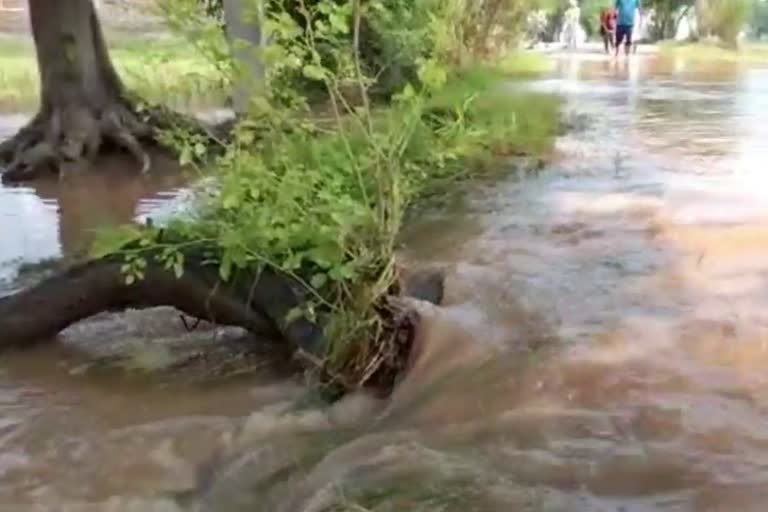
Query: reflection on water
(53, 218)
(59, 218)
(603, 345)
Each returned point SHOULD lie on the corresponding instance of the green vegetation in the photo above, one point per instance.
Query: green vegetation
(168, 71)
(318, 176)
(669, 14)
(750, 53)
(590, 15)
(723, 18)
(523, 65)
(414, 492)
(485, 27)
(759, 20)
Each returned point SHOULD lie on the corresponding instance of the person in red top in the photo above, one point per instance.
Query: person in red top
(608, 28)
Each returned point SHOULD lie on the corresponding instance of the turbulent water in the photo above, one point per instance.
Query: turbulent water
(603, 345)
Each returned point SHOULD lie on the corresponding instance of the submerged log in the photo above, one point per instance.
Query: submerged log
(260, 304)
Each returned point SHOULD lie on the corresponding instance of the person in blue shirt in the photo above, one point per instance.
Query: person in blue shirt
(626, 10)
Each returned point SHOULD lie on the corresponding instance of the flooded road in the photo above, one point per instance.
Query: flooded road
(603, 345)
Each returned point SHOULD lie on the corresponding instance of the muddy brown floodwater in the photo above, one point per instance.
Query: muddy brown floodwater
(603, 345)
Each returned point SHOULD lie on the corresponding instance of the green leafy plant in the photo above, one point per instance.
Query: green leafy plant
(316, 187)
(723, 18)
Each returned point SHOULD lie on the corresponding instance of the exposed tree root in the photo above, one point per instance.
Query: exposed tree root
(77, 134)
(71, 134)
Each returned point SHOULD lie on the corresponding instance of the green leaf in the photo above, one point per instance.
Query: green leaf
(318, 281)
(225, 269)
(431, 74)
(408, 92)
(339, 23)
(178, 266)
(325, 255)
(377, 6)
(293, 315)
(347, 271)
(185, 157)
(293, 262)
(230, 201)
(246, 137)
(113, 240)
(130, 279)
(309, 313)
(314, 72)
(342, 272)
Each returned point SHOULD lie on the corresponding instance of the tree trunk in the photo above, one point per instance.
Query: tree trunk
(82, 102)
(261, 305)
(258, 305)
(243, 29)
(678, 20)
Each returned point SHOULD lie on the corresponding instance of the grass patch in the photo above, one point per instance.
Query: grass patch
(516, 122)
(161, 70)
(524, 65)
(505, 123)
(750, 53)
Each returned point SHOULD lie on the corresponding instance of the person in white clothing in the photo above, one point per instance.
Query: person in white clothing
(571, 25)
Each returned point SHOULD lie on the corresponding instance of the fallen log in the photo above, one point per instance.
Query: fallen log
(258, 303)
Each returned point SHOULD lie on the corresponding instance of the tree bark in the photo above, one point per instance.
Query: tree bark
(259, 305)
(82, 101)
(243, 28)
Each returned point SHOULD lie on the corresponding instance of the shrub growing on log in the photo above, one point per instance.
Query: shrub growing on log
(297, 238)
(320, 196)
